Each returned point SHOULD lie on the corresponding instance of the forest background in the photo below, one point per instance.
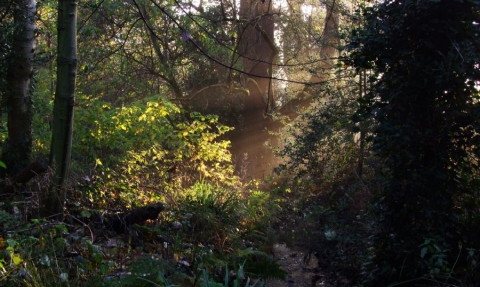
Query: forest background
(188, 137)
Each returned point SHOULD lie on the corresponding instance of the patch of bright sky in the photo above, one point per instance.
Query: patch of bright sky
(307, 8)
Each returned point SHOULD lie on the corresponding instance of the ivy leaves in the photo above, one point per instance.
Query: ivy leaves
(426, 60)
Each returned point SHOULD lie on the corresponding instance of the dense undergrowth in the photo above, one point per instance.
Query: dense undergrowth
(214, 229)
(203, 233)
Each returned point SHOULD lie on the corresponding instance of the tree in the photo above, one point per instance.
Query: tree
(327, 52)
(166, 69)
(61, 145)
(426, 108)
(132, 49)
(18, 148)
(258, 50)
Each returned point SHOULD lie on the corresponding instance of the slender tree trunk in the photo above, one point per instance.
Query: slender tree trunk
(61, 146)
(18, 147)
(361, 148)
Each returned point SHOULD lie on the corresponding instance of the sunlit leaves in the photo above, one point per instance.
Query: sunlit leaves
(149, 143)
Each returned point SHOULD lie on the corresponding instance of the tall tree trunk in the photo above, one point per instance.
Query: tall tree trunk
(61, 146)
(18, 147)
(328, 54)
(258, 48)
(254, 158)
(329, 42)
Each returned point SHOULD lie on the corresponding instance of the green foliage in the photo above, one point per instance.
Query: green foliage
(44, 254)
(322, 144)
(6, 42)
(147, 149)
(216, 214)
(221, 217)
(328, 155)
(143, 272)
(425, 105)
(30, 251)
(434, 258)
(238, 280)
(152, 150)
(43, 115)
(211, 226)
(261, 209)
(262, 265)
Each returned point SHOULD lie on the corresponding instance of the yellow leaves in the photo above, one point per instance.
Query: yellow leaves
(16, 259)
(151, 105)
(142, 143)
(204, 169)
(142, 118)
(182, 134)
(163, 113)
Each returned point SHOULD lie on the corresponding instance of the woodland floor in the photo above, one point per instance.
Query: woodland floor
(303, 267)
(300, 273)
(310, 260)
(303, 272)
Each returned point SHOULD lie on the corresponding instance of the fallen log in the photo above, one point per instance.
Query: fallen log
(10, 184)
(121, 222)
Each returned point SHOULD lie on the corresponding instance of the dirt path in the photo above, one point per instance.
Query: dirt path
(300, 273)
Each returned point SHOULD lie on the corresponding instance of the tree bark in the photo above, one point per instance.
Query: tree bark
(61, 146)
(328, 55)
(123, 221)
(9, 186)
(257, 46)
(18, 147)
(254, 159)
